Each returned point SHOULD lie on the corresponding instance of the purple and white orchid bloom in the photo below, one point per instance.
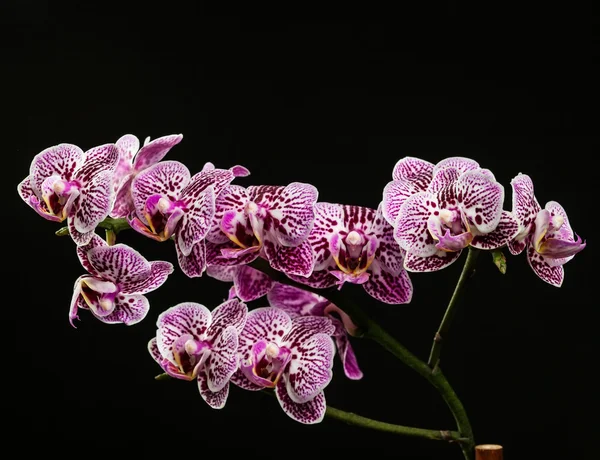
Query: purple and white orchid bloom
(267, 220)
(66, 183)
(118, 277)
(460, 206)
(354, 244)
(294, 356)
(192, 343)
(169, 202)
(298, 302)
(133, 160)
(545, 233)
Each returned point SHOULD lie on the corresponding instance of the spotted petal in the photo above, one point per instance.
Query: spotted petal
(551, 274)
(229, 254)
(155, 151)
(462, 164)
(129, 309)
(26, 192)
(231, 201)
(311, 371)
(94, 202)
(219, 179)
(216, 400)
(167, 178)
(321, 280)
(62, 160)
(120, 264)
(295, 301)
(223, 359)
(480, 198)
(432, 263)
(411, 226)
(127, 145)
(414, 170)
(263, 323)
(388, 287)
(230, 313)
(183, 318)
(346, 353)
(221, 273)
(82, 252)
(395, 194)
(123, 204)
(153, 279)
(153, 350)
(443, 186)
(329, 219)
(77, 301)
(388, 253)
(308, 413)
(292, 210)
(251, 284)
(524, 204)
(506, 230)
(196, 222)
(290, 260)
(80, 239)
(194, 264)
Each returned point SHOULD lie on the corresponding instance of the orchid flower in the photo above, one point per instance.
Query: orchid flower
(192, 343)
(132, 161)
(169, 203)
(271, 221)
(117, 278)
(66, 183)
(293, 356)
(298, 302)
(436, 218)
(355, 244)
(546, 233)
(248, 283)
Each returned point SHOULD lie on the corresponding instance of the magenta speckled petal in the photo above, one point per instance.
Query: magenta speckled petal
(251, 284)
(262, 323)
(232, 312)
(155, 150)
(222, 361)
(388, 287)
(553, 275)
(290, 260)
(329, 219)
(308, 413)
(62, 160)
(216, 400)
(196, 222)
(505, 232)
(414, 170)
(480, 199)
(462, 164)
(524, 204)
(395, 193)
(435, 262)
(411, 226)
(194, 264)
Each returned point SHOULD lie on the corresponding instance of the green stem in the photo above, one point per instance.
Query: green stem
(115, 225)
(364, 422)
(440, 335)
(369, 328)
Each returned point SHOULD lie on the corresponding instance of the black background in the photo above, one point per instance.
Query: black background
(312, 96)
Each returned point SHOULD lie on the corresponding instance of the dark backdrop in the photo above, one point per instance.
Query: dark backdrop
(334, 102)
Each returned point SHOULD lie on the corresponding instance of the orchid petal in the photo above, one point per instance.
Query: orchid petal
(389, 253)
(329, 219)
(194, 264)
(223, 359)
(308, 413)
(77, 301)
(127, 145)
(553, 275)
(100, 159)
(310, 372)
(82, 252)
(129, 310)
(290, 260)
(414, 170)
(480, 198)
(230, 313)
(517, 247)
(120, 264)
(524, 204)
(346, 353)
(183, 318)
(62, 160)
(216, 400)
(251, 284)
(432, 263)
(388, 287)
(218, 178)
(561, 246)
(154, 352)
(80, 239)
(195, 223)
(153, 279)
(123, 204)
(94, 202)
(167, 178)
(26, 191)
(239, 379)
(294, 301)
(462, 164)
(231, 201)
(221, 273)
(443, 186)
(291, 209)
(411, 226)
(154, 151)
(507, 229)
(395, 194)
(565, 231)
(229, 254)
(321, 280)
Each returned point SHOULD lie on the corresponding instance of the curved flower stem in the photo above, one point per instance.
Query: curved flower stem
(467, 272)
(369, 328)
(364, 422)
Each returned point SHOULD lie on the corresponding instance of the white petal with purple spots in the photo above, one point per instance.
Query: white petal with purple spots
(411, 226)
(129, 310)
(432, 263)
(62, 160)
(154, 151)
(216, 400)
(462, 164)
(481, 199)
(310, 412)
